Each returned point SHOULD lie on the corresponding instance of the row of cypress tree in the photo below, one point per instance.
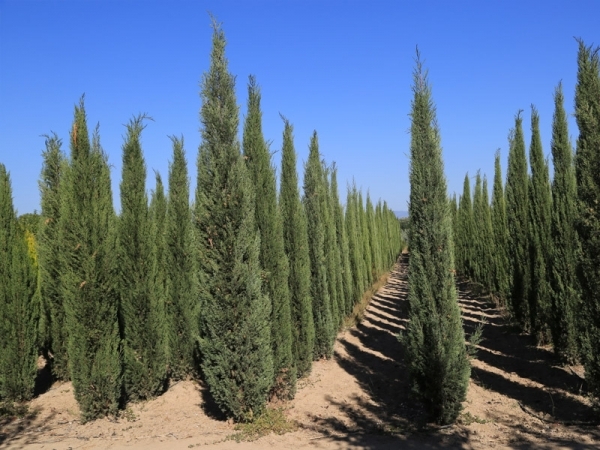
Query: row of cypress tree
(245, 287)
(536, 246)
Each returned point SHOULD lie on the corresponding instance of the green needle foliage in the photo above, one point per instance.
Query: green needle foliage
(517, 219)
(565, 294)
(435, 341)
(343, 245)
(500, 234)
(235, 314)
(52, 177)
(295, 239)
(540, 222)
(587, 164)
(18, 318)
(273, 258)
(90, 283)
(356, 261)
(366, 242)
(376, 268)
(465, 232)
(314, 193)
(144, 359)
(332, 254)
(482, 235)
(181, 301)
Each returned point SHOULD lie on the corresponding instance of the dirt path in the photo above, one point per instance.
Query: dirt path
(358, 399)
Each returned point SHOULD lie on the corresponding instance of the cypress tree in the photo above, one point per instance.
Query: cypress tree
(354, 246)
(455, 231)
(565, 297)
(18, 319)
(181, 301)
(500, 235)
(343, 245)
(366, 242)
(488, 249)
(273, 259)
(144, 362)
(517, 220)
(478, 242)
(435, 341)
(373, 241)
(295, 239)
(332, 254)
(235, 314)
(89, 279)
(465, 232)
(314, 191)
(540, 216)
(587, 166)
(52, 177)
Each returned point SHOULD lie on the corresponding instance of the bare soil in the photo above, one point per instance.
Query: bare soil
(519, 397)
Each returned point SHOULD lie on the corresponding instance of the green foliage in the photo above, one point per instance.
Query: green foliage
(18, 312)
(365, 241)
(540, 218)
(314, 193)
(565, 293)
(465, 232)
(500, 235)
(295, 239)
(89, 279)
(181, 297)
(354, 244)
(55, 331)
(517, 220)
(347, 289)
(435, 341)
(273, 258)
(235, 339)
(144, 358)
(587, 166)
(483, 249)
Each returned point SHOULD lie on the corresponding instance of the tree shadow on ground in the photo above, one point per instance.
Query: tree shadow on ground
(209, 404)
(21, 428)
(388, 417)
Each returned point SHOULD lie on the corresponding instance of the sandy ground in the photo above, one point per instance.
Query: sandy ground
(518, 398)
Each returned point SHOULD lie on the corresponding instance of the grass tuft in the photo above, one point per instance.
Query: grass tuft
(272, 420)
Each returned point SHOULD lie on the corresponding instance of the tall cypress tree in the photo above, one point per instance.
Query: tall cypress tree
(52, 177)
(587, 165)
(295, 239)
(354, 245)
(314, 191)
(489, 249)
(273, 259)
(343, 245)
(435, 340)
(235, 314)
(465, 231)
(540, 217)
(332, 254)
(565, 295)
(18, 319)
(373, 241)
(517, 220)
(500, 235)
(365, 242)
(89, 279)
(181, 301)
(144, 363)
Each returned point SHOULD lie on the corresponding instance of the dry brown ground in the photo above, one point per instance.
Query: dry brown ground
(518, 398)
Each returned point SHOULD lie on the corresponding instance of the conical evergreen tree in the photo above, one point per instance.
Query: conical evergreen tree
(235, 314)
(517, 220)
(540, 218)
(273, 259)
(332, 254)
(465, 231)
(373, 241)
(366, 242)
(587, 164)
(181, 301)
(144, 363)
(295, 238)
(565, 295)
(500, 233)
(455, 230)
(314, 191)
(343, 245)
(489, 249)
(53, 169)
(18, 319)
(435, 340)
(89, 279)
(355, 247)
(482, 242)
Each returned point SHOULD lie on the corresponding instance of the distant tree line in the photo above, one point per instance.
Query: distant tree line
(536, 247)
(244, 288)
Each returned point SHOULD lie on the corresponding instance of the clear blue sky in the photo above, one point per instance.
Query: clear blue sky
(343, 68)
